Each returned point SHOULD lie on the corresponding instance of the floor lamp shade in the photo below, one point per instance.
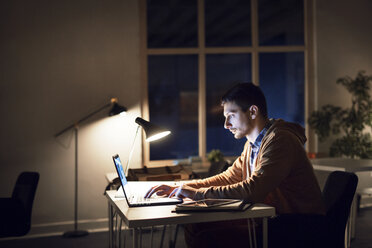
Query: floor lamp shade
(115, 109)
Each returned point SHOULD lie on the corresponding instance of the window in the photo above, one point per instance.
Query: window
(232, 17)
(222, 70)
(172, 23)
(194, 50)
(173, 97)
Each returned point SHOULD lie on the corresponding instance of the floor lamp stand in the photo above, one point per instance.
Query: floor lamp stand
(115, 110)
(76, 233)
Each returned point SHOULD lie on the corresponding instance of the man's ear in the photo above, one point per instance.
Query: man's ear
(253, 112)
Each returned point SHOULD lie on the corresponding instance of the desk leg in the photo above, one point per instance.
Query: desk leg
(250, 226)
(111, 216)
(152, 237)
(353, 215)
(350, 225)
(162, 235)
(348, 232)
(264, 232)
(136, 234)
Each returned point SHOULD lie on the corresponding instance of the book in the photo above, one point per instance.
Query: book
(213, 205)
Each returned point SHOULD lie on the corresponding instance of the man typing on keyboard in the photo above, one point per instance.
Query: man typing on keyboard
(272, 169)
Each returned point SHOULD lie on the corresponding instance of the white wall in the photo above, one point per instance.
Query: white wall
(344, 38)
(59, 61)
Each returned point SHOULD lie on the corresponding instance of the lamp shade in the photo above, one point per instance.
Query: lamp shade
(153, 132)
(117, 109)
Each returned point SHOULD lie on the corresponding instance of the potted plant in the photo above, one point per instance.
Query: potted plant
(348, 124)
(214, 156)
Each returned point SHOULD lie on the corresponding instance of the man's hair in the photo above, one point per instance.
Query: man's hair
(245, 95)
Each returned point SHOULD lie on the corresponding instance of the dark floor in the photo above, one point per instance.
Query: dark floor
(363, 229)
(95, 240)
(100, 239)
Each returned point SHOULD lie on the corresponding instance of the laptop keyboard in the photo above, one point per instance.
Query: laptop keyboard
(140, 199)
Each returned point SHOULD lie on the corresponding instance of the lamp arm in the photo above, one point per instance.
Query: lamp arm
(131, 152)
(82, 119)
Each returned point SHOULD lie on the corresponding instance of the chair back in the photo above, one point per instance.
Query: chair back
(217, 168)
(24, 191)
(338, 194)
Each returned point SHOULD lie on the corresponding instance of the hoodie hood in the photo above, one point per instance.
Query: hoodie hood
(294, 128)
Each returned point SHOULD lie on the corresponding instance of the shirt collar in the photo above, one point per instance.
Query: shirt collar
(257, 142)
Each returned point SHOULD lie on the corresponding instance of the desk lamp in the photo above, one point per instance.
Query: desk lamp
(152, 131)
(115, 110)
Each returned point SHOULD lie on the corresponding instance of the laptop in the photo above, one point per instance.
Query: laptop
(135, 198)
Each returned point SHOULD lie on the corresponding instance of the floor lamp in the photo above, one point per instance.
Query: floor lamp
(115, 110)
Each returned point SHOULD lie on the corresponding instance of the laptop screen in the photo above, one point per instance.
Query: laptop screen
(136, 191)
(120, 170)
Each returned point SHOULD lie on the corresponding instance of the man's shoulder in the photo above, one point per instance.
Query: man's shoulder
(281, 129)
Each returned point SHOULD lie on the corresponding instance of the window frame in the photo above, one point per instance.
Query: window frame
(201, 51)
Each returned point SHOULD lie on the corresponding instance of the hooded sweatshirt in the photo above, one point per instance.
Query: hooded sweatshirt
(283, 176)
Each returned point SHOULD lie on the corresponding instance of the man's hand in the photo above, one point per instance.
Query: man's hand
(182, 191)
(160, 190)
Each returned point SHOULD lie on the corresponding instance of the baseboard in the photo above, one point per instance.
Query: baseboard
(58, 228)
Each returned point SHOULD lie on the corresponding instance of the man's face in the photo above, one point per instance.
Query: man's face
(238, 122)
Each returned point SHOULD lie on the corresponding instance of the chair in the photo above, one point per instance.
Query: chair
(214, 169)
(338, 195)
(306, 230)
(15, 212)
(217, 168)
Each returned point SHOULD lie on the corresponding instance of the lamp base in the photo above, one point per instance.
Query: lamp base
(75, 234)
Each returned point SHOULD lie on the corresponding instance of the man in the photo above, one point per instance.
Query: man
(272, 169)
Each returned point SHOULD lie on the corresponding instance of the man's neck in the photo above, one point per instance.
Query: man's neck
(257, 128)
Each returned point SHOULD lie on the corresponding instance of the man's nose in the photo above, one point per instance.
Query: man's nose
(227, 124)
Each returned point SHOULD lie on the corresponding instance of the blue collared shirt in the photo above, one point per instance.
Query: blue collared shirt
(255, 147)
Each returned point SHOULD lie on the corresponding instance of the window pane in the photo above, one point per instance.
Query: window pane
(281, 22)
(227, 23)
(222, 72)
(171, 23)
(173, 97)
(282, 81)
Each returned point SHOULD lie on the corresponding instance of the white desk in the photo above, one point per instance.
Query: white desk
(348, 165)
(342, 164)
(139, 217)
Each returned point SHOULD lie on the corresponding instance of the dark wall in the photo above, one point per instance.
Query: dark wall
(60, 60)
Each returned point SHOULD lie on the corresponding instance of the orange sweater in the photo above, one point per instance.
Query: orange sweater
(283, 175)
